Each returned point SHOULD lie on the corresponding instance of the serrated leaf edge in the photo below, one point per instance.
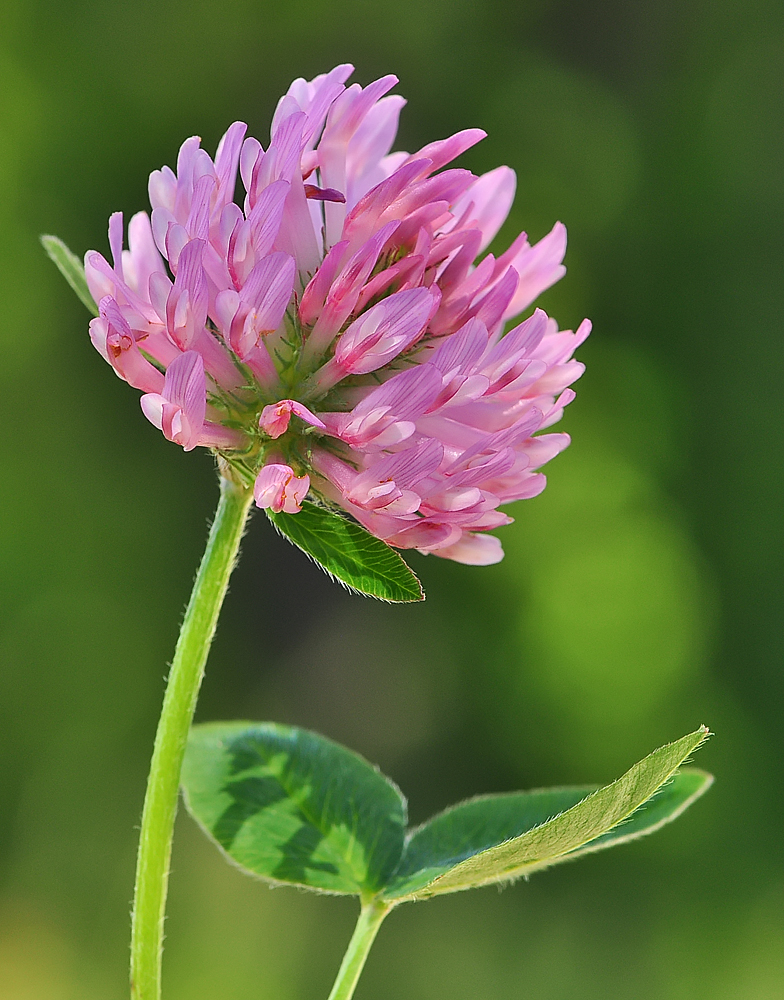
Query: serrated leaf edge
(343, 583)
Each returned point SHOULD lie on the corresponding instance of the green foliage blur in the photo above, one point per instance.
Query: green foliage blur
(640, 595)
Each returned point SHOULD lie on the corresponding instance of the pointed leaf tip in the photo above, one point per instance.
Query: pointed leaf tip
(71, 269)
(666, 805)
(350, 554)
(499, 838)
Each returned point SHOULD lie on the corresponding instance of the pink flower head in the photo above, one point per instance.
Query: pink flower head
(350, 289)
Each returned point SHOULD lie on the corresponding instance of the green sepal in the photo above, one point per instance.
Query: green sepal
(349, 553)
(71, 269)
(293, 807)
(499, 838)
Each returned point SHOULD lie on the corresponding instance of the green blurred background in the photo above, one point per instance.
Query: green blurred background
(640, 596)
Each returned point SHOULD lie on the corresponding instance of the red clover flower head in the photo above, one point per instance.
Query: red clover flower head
(334, 336)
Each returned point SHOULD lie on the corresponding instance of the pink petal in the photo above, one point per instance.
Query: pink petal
(227, 158)
(116, 242)
(473, 550)
(443, 151)
(463, 349)
(186, 307)
(179, 409)
(198, 221)
(278, 488)
(315, 294)
(143, 259)
(539, 267)
(267, 215)
(274, 419)
(186, 387)
(391, 480)
(264, 298)
(385, 330)
(487, 202)
(113, 337)
(344, 291)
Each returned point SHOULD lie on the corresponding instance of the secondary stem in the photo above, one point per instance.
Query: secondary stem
(363, 937)
(179, 703)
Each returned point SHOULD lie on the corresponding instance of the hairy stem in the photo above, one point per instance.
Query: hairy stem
(179, 703)
(364, 935)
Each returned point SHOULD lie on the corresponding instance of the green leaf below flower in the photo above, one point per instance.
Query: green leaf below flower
(346, 551)
(71, 269)
(294, 807)
(498, 838)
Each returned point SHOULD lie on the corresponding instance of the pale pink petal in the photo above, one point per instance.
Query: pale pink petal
(487, 201)
(443, 151)
(297, 234)
(369, 145)
(385, 330)
(278, 488)
(152, 404)
(321, 93)
(186, 387)
(163, 189)
(264, 297)
(143, 259)
(539, 267)
(250, 154)
(116, 242)
(227, 158)
(345, 117)
(473, 550)
(274, 419)
(113, 337)
(99, 275)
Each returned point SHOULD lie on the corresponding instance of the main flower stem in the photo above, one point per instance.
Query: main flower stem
(179, 703)
(361, 941)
